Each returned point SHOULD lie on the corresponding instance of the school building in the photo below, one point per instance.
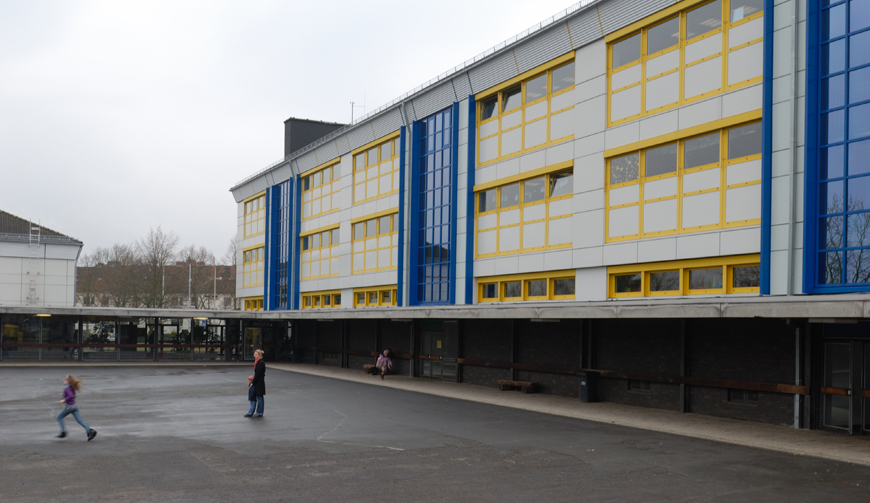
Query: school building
(674, 194)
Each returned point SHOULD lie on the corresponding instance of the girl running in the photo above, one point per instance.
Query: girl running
(69, 400)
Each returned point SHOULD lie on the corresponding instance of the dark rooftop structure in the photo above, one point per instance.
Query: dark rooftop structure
(300, 132)
(17, 229)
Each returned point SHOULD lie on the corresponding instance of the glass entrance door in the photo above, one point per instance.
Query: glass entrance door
(439, 350)
(846, 387)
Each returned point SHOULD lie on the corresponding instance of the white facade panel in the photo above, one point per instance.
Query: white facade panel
(703, 77)
(511, 141)
(745, 63)
(663, 91)
(626, 77)
(625, 103)
(661, 64)
(663, 187)
(746, 32)
(702, 209)
(624, 195)
(660, 216)
(743, 203)
(623, 221)
(703, 48)
(749, 171)
(701, 180)
(509, 239)
(562, 124)
(533, 235)
(560, 231)
(535, 133)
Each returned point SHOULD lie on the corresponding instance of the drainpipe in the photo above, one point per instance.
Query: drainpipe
(798, 381)
(792, 148)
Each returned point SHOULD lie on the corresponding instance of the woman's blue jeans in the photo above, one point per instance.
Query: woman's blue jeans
(74, 410)
(257, 404)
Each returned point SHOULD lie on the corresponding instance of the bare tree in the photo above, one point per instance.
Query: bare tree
(88, 275)
(156, 250)
(123, 276)
(201, 275)
(227, 284)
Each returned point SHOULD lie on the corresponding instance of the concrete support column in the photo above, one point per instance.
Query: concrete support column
(683, 391)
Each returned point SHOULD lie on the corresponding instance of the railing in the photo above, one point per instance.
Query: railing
(25, 238)
(443, 76)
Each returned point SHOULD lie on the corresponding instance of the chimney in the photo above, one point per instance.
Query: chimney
(301, 132)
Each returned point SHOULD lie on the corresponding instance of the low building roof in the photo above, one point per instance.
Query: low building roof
(17, 229)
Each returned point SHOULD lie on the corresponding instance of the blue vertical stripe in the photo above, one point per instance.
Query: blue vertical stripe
(469, 213)
(766, 148)
(811, 142)
(400, 273)
(454, 182)
(294, 240)
(413, 209)
(267, 273)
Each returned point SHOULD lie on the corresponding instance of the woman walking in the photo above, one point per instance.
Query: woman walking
(73, 385)
(258, 382)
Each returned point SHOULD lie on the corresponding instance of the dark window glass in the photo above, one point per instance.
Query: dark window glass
(834, 57)
(859, 49)
(490, 291)
(703, 19)
(534, 189)
(859, 157)
(538, 288)
(831, 232)
(831, 197)
(626, 51)
(563, 286)
(627, 283)
(371, 228)
(561, 184)
(663, 36)
(746, 276)
(304, 244)
(337, 300)
(510, 195)
(858, 227)
(744, 141)
(832, 127)
(624, 169)
(705, 279)
(563, 77)
(859, 121)
(859, 193)
(831, 268)
(664, 281)
(306, 183)
(511, 98)
(701, 151)
(488, 108)
(536, 88)
(858, 266)
(834, 22)
(834, 92)
(661, 160)
(513, 289)
(831, 162)
(859, 85)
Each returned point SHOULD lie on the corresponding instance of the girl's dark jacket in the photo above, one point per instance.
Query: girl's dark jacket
(260, 378)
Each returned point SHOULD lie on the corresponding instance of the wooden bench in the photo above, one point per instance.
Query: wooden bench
(371, 369)
(523, 386)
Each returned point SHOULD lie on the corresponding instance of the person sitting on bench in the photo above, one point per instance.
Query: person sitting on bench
(384, 362)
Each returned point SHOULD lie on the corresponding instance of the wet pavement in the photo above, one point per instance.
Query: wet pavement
(170, 433)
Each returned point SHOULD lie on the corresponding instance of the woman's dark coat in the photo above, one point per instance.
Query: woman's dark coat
(260, 378)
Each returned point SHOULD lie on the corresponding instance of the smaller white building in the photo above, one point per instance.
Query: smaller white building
(37, 265)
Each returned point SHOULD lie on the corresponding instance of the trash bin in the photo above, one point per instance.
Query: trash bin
(588, 386)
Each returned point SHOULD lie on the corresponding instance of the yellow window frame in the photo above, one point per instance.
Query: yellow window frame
(547, 173)
(722, 164)
(330, 299)
(253, 262)
(255, 214)
(307, 251)
(253, 303)
(684, 267)
(362, 166)
(375, 296)
(313, 196)
(521, 81)
(642, 27)
(362, 241)
(501, 282)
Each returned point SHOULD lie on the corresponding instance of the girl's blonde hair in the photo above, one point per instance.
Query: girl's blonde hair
(259, 352)
(74, 383)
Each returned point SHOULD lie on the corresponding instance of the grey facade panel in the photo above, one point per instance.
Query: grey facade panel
(585, 28)
(544, 47)
(618, 14)
(361, 135)
(461, 86)
(306, 161)
(259, 184)
(326, 152)
(282, 173)
(497, 70)
(435, 99)
(342, 145)
(387, 122)
(410, 114)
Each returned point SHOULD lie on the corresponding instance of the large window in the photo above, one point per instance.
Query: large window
(376, 243)
(280, 257)
(319, 190)
(528, 114)
(839, 147)
(255, 215)
(735, 274)
(320, 253)
(321, 300)
(374, 296)
(709, 181)
(376, 169)
(527, 215)
(435, 207)
(254, 304)
(683, 56)
(556, 285)
(254, 259)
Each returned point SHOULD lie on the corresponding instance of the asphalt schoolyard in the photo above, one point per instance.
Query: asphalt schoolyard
(171, 433)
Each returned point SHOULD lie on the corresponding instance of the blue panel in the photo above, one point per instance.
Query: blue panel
(837, 190)
(412, 210)
(433, 208)
(400, 273)
(454, 183)
(266, 260)
(767, 148)
(469, 221)
(279, 270)
(294, 241)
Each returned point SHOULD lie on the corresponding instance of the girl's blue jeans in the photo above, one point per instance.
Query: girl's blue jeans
(256, 404)
(74, 410)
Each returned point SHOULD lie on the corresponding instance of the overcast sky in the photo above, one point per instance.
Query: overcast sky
(120, 116)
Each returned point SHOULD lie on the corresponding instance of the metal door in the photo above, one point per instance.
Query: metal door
(846, 387)
(438, 350)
